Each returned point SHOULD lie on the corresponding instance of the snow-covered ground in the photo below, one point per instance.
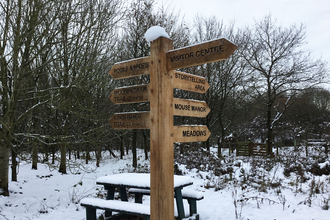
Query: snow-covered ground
(47, 194)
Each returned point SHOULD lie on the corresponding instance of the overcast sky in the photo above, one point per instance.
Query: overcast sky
(314, 14)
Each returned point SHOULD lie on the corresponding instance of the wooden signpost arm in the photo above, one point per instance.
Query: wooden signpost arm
(161, 132)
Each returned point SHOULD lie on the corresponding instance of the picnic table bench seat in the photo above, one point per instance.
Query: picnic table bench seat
(190, 195)
(91, 204)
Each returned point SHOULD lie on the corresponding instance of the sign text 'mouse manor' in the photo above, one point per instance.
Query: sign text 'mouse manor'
(184, 107)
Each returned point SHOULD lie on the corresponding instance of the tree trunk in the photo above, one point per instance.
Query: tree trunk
(145, 146)
(219, 147)
(207, 142)
(269, 123)
(78, 153)
(127, 143)
(46, 156)
(34, 155)
(98, 156)
(326, 149)
(111, 153)
(122, 144)
(134, 149)
(53, 154)
(63, 159)
(13, 164)
(69, 151)
(269, 141)
(4, 164)
(87, 153)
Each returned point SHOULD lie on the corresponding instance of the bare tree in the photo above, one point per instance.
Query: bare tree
(86, 39)
(225, 94)
(279, 64)
(19, 55)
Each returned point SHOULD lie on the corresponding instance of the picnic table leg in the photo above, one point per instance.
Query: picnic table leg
(138, 198)
(192, 206)
(123, 194)
(179, 202)
(90, 213)
(110, 196)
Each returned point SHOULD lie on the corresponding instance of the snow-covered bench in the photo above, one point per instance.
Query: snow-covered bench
(91, 204)
(191, 195)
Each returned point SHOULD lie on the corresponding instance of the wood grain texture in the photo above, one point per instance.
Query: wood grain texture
(161, 127)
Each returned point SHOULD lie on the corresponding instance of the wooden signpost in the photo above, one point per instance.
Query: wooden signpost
(161, 66)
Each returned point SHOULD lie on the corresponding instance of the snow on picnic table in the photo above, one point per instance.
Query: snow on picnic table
(138, 180)
(117, 205)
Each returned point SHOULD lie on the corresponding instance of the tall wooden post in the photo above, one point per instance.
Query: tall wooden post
(161, 132)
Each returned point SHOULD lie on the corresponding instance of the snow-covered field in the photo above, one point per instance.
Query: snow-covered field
(47, 194)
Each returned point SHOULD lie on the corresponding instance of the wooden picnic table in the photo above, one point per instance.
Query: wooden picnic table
(125, 181)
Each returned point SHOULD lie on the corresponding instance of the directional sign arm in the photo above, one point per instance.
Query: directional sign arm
(190, 133)
(130, 68)
(191, 108)
(207, 52)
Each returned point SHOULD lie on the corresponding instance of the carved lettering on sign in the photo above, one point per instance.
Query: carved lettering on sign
(130, 94)
(190, 82)
(131, 68)
(136, 120)
(131, 90)
(211, 51)
(198, 53)
(190, 133)
(182, 107)
(189, 77)
(190, 108)
(193, 133)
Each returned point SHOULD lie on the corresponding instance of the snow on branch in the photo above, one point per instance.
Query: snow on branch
(280, 114)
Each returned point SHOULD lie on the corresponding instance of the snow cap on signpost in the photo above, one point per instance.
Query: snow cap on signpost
(155, 32)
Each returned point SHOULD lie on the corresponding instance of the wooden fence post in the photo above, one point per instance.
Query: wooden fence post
(250, 147)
